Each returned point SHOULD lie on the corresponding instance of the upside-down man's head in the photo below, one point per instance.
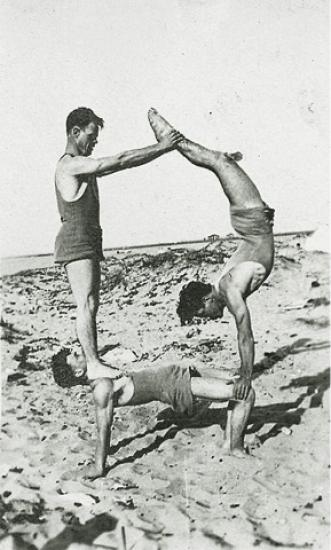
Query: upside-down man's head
(69, 369)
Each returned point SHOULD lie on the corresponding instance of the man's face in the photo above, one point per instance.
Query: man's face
(211, 308)
(87, 139)
(77, 363)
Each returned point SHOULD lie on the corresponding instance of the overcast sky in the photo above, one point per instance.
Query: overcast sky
(231, 74)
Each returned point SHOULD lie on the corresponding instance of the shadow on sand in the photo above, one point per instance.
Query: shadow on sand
(300, 346)
(279, 415)
(86, 533)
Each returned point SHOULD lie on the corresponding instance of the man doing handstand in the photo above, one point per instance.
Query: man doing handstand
(251, 263)
(171, 384)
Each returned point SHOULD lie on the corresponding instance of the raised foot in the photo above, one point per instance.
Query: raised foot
(102, 370)
(159, 125)
(237, 156)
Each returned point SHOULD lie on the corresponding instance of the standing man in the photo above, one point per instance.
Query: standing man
(79, 242)
(251, 263)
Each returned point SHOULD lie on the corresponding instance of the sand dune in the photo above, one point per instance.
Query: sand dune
(168, 486)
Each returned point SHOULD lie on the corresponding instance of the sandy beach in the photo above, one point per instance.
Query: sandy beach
(168, 486)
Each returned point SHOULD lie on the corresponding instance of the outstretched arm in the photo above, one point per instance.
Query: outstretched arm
(237, 306)
(80, 165)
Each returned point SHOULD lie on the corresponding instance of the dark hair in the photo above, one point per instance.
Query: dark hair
(82, 117)
(190, 300)
(63, 373)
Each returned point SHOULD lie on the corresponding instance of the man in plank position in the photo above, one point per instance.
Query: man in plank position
(251, 263)
(78, 244)
(173, 385)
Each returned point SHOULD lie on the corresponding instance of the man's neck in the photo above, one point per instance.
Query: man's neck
(217, 294)
(71, 149)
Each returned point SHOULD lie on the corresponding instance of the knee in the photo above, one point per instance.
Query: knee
(250, 399)
(88, 305)
(103, 392)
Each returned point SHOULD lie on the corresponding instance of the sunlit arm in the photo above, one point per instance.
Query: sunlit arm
(130, 159)
(238, 307)
(245, 342)
(81, 165)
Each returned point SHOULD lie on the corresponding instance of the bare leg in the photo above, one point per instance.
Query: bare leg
(217, 389)
(214, 389)
(237, 186)
(238, 415)
(84, 279)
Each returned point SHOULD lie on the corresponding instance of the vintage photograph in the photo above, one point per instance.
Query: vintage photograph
(165, 290)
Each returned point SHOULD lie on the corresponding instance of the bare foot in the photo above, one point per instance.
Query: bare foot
(160, 125)
(102, 370)
(237, 452)
(237, 156)
(87, 472)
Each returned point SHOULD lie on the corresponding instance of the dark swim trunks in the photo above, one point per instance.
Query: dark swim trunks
(255, 227)
(252, 221)
(168, 384)
(80, 236)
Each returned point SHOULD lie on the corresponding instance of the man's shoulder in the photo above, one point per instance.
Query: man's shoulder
(233, 282)
(74, 167)
(77, 165)
(63, 163)
(242, 271)
(244, 279)
(68, 158)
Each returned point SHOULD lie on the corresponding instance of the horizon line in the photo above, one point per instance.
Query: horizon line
(228, 237)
